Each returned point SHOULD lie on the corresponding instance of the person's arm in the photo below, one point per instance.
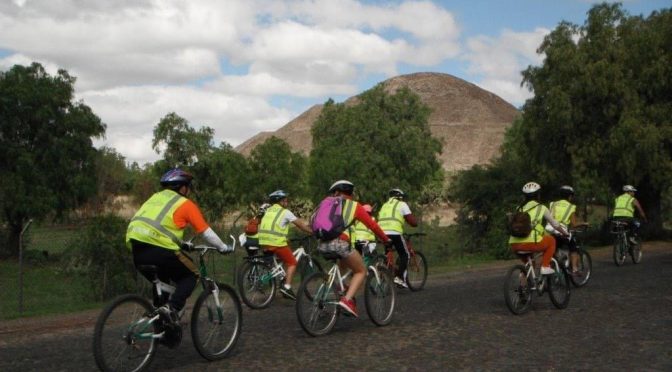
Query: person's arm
(370, 223)
(635, 202)
(302, 225)
(408, 215)
(574, 223)
(556, 225)
(189, 214)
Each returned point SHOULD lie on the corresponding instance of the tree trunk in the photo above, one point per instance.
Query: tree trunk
(11, 245)
(649, 199)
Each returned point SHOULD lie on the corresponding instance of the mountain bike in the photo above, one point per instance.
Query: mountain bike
(261, 275)
(416, 272)
(623, 245)
(522, 280)
(317, 300)
(130, 328)
(585, 263)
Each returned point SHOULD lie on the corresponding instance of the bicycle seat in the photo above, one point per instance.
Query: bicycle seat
(148, 270)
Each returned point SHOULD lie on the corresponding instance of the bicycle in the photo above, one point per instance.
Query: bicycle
(585, 262)
(622, 244)
(317, 301)
(129, 329)
(522, 280)
(416, 272)
(261, 274)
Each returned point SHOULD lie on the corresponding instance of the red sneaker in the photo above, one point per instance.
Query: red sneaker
(349, 306)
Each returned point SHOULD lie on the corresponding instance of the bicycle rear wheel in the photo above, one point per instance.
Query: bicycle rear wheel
(216, 322)
(380, 296)
(619, 250)
(584, 269)
(558, 286)
(316, 305)
(255, 284)
(636, 252)
(123, 338)
(416, 273)
(517, 290)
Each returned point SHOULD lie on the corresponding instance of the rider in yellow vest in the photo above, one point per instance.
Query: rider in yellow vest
(363, 239)
(563, 212)
(624, 210)
(391, 218)
(537, 240)
(273, 231)
(155, 236)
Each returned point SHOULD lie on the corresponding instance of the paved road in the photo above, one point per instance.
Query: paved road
(621, 321)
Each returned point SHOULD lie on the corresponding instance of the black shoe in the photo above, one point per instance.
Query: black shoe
(287, 293)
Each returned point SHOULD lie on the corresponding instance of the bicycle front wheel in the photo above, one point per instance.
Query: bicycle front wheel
(619, 250)
(316, 305)
(558, 286)
(380, 296)
(124, 335)
(416, 273)
(216, 322)
(256, 285)
(308, 265)
(636, 252)
(584, 269)
(518, 290)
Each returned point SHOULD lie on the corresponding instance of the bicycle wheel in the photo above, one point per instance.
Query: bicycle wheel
(308, 265)
(216, 323)
(558, 286)
(416, 273)
(619, 250)
(517, 290)
(256, 285)
(123, 336)
(316, 305)
(380, 296)
(636, 252)
(584, 269)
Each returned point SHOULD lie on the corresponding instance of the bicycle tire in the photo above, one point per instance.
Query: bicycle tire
(636, 252)
(256, 291)
(559, 289)
(619, 250)
(306, 269)
(210, 323)
(518, 296)
(380, 296)
(585, 269)
(316, 305)
(416, 272)
(124, 320)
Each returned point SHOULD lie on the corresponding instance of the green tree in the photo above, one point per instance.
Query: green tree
(48, 158)
(181, 144)
(113, 178)
(382, 141)
(274, 166)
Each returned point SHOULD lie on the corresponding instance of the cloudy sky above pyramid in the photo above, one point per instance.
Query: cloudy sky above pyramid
(244, 66)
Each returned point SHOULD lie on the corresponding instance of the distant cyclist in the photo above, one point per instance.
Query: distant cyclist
(391, 218)
(273, 232)
(155, 236)
(364, 240)
(624, 210)
(252, 230)
(563, 211)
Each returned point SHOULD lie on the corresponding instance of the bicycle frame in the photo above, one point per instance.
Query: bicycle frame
(278, 271)
(539, 281)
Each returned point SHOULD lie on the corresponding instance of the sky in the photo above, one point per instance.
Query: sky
(245, 66)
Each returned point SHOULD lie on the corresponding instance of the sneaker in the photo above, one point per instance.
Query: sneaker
(400, 282)
(168, 315)
(545, 270)
(287, 293)
(349, 306)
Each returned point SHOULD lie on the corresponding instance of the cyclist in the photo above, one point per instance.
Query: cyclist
(563, 211)
(391, 218)
(537, 240)
(155, 235)
(349, 258)
(624, 210)
(363, 239)
(273, 231)
(252, 230)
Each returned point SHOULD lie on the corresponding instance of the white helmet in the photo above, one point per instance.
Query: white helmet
(629, 188)
(531, 188)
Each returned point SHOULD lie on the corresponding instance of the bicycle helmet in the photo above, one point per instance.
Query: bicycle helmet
(531, 188)
(176, 178)
(343, 186)
(629, 188)
(566, 190)
(277, 195)
(367, 208)
(397, 193)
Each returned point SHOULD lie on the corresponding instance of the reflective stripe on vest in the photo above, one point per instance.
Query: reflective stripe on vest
(153, 222)
(363, 233)
(390, 218)
(535, 210)
(270, 231)
(562, 210)
(624, 206)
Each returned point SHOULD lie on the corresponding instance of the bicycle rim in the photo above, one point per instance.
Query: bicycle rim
(416, 273)
(517, 290)
(122, 338)
(619, 251)
(636, 253)
(215, 328)
(558, 287)
(316, 305)
(380, 296)
(255, 285)
(585, 269)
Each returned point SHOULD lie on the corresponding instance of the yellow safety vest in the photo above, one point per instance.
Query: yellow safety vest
(390, 218)
(624, 206)
(363, 233)
(562, 210)
(536, 211)
(153, 222)
(270, 231)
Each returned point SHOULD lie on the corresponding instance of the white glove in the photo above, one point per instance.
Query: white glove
(225, 248)
(214, 240)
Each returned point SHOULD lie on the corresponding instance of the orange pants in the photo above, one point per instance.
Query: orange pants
(284, 253)
(546, 245)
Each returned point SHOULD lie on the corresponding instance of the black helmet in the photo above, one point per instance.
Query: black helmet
(277, 195)
(397, 193)
(176, 178)
(343, 186)
(566, 190)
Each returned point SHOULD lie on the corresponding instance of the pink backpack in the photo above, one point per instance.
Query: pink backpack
(327, 221)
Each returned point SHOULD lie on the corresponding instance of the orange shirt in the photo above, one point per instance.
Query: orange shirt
(189, 214)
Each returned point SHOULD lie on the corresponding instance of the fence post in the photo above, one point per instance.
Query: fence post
(21, 266)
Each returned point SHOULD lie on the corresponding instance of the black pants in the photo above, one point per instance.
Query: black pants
(633, 225)
(569, 243)
(402, 251)
(171, 266)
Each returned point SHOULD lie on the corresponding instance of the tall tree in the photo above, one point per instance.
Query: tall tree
(274, 166)
(181, 144)
(48, 158)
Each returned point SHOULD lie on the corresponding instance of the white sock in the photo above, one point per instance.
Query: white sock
(287, 286)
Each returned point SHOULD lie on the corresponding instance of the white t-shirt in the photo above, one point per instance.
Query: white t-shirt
(405, 210)
(287, 218)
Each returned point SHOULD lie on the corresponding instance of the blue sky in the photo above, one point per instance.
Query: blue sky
(245, 66)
